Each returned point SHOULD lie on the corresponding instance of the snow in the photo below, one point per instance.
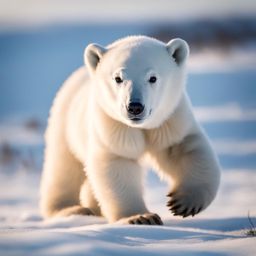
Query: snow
(228, 112)
(19, 135)
(234, 59)
(235, 147)
(218, 231)
(223, 95)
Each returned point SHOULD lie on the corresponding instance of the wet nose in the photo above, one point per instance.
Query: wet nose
(135, 108)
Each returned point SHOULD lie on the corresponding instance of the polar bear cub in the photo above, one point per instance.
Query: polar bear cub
(127, 103)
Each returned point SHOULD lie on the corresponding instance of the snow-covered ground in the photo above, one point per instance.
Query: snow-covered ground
(223, 92)
(220, 230)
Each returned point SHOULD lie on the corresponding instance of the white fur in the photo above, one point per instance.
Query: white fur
(93, 148)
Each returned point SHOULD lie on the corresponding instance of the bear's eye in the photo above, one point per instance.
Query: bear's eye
(152, 79)
(118, 80)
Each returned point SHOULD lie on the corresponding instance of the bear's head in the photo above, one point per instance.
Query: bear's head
(138, 80)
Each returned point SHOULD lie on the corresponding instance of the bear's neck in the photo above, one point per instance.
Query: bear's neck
(170, 132)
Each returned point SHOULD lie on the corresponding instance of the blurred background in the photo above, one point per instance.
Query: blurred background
(42, 42)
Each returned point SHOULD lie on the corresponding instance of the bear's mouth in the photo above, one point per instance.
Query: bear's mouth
(135, 119)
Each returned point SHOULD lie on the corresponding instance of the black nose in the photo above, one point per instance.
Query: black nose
(135, 108)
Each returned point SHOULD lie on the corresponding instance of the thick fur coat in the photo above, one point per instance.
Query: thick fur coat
(127, 104)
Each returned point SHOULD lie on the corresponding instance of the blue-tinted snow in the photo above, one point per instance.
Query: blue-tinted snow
(33, 65)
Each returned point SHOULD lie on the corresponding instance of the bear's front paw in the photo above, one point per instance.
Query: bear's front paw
(144, 219)
(189, 201)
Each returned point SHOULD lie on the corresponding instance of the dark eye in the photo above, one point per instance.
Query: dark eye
(152, 79)
(118, 79)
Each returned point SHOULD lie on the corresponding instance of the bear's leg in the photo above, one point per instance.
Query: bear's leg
(61, 181)
(195, 171)
(117, 185)
(87, 198)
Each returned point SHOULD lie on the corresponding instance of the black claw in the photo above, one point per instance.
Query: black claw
(157, 220)
(175, 207)
(193, 212)
(139, 222)
(199, 210)
(148, 222)
(171, 194)
(157, 216)
(186, 215)
(184, 212)
(171, 202)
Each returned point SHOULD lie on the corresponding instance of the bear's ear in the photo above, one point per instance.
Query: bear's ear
(179, 50)
(92, 55)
